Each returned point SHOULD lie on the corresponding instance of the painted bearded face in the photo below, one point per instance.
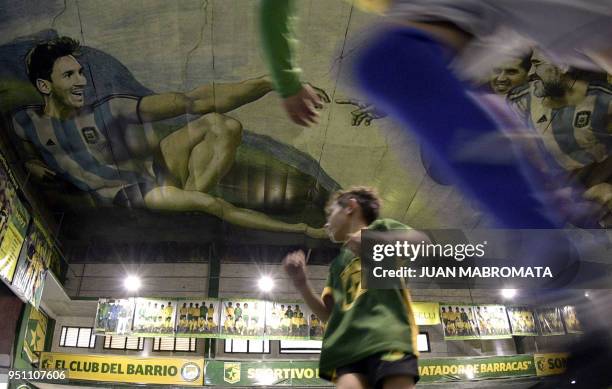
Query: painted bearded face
(546, 77)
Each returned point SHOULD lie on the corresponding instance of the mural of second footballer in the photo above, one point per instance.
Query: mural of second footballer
(103, 150)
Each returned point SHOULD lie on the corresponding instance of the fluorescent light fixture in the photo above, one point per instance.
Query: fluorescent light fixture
(132, 283)
(508, 293)
(266, 284)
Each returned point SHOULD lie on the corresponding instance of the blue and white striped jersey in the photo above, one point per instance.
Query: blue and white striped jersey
(575, 136)
(90, 149)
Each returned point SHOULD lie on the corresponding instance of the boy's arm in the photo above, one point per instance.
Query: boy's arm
(295, 266)
(320, 306)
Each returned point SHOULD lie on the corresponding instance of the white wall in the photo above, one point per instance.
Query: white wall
(241, 280)
(159, 279)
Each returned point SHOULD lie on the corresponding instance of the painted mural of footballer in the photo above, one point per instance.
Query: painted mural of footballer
(103, 150)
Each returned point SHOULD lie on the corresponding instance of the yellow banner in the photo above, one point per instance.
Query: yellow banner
(9, 252)
(426, 314)
(551, 363)
(115, 368)
(35, 337)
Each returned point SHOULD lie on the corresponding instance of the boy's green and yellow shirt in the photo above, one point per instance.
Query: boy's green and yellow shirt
(364, 322)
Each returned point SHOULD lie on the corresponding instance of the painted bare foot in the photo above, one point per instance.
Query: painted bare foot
(316, 233)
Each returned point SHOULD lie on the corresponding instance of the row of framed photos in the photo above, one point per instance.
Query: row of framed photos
(251, 318)
(211, 318)
(467, 321)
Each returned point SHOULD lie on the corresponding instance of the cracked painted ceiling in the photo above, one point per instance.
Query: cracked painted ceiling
(280, 168)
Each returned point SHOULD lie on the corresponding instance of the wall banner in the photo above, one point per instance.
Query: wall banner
(549, 320)
(492, 321)
(14, 220)
(114, 316)
(551, 363)
(197, 318)
(155, 317)
(36, 335)
(190, 371)
(465, 369)
(258, 373)
(37, 257)
(140, 370)
(426, 314)
(458, 322)
(572, 324)
(522, 321)
(305, 373)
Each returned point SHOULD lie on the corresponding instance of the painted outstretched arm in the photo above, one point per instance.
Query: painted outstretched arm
(222, 98)
(205, 99)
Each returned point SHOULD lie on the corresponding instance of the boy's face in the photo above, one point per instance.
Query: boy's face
(338, 223)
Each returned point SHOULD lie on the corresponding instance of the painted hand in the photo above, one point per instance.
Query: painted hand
(40, 171)
(317, 233)
(364, 113)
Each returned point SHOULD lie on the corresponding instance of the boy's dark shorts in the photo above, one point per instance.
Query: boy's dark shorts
(380, 366)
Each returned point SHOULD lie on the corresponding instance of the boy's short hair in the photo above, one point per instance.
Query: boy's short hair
(366, 197)
(41, 58)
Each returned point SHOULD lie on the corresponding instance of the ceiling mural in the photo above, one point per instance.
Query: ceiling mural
(176, 133)
(227, 156)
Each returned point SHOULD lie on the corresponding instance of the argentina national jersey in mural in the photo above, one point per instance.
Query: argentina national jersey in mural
(88, 150)
(575, 136)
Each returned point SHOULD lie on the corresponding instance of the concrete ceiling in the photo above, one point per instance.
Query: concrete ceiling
(56, 302)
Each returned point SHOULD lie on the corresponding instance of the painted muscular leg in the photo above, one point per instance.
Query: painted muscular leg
(212, 158)
(201, 152)
(169, 198)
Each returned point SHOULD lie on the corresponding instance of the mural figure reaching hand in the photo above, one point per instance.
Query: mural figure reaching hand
(104, 148)
(364, 113)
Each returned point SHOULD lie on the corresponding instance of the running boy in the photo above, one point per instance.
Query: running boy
(370, 340)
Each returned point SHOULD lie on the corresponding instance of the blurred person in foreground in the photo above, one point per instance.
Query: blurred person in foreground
(415, 69)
